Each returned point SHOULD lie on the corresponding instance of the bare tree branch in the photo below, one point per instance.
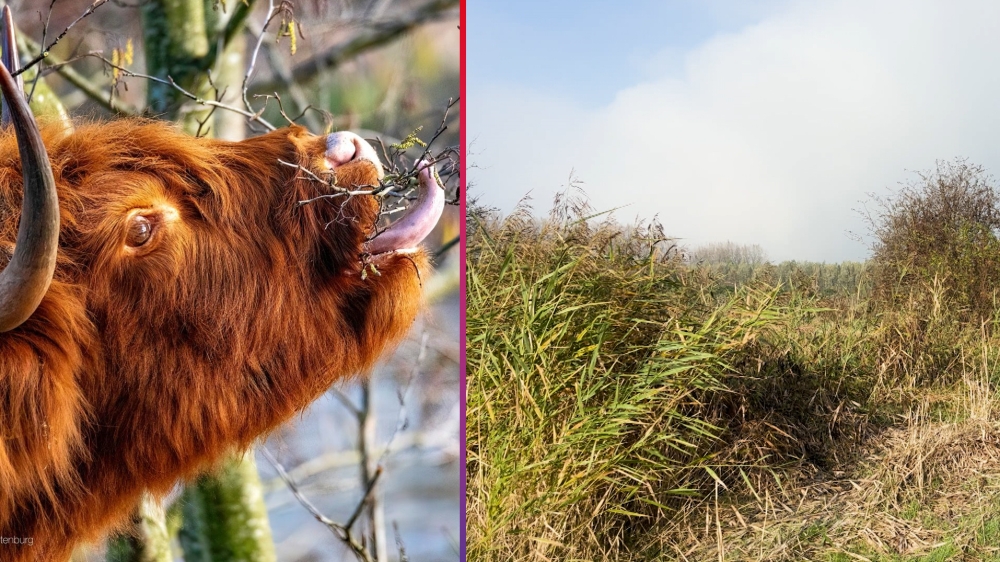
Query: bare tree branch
(380, 34)
(285, 78)
(45, 53)
(45, 31)
(251, 117)
(86, 85)
(343, 532)
(370, 472)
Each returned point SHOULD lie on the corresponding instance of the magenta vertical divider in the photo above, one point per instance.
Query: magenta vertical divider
(463, 518)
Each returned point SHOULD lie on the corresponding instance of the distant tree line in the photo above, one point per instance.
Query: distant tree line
(934, 241)
(729, 253)
(731, 265)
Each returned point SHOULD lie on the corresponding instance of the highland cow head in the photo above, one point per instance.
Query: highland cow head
(165, 300)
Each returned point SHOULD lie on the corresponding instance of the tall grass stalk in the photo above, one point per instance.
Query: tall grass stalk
(591, 367)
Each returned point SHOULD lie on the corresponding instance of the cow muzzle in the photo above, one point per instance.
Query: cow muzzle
(346, 147)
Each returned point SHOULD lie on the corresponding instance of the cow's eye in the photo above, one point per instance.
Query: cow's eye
(139, 231)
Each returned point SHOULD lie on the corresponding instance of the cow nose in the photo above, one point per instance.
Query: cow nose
(345, 147)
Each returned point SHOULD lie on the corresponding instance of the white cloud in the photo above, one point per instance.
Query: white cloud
(522, 141)
(770, 135)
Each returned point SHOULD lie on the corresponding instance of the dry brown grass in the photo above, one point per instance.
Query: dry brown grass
(926, 485)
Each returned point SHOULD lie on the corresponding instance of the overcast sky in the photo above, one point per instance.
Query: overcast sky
(762, 122)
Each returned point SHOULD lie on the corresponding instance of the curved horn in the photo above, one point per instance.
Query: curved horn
(8, 56)
(26, 278)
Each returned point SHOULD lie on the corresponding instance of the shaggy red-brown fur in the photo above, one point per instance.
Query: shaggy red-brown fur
(143, 365)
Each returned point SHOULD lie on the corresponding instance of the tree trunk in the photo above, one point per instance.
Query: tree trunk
(149, 542)
(225, 518)
(176, 40)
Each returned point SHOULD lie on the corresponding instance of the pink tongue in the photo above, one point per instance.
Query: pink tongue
(408, 231)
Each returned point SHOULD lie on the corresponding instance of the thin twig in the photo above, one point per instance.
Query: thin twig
(399, 543)
(329, 183)
(45, 52)
(360, 507)
(346, 402)
(401, 418)
(438, 441)
(440, 130)
(92, 90)
(251, 117)
(45, 30)
(280, 70)
(382, 33)
(339, 530)
(272, 12)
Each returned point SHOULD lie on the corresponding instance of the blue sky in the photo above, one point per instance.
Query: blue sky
(762, 122)
(587, 50)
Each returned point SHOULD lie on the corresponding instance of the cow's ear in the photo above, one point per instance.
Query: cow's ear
(42, 408)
